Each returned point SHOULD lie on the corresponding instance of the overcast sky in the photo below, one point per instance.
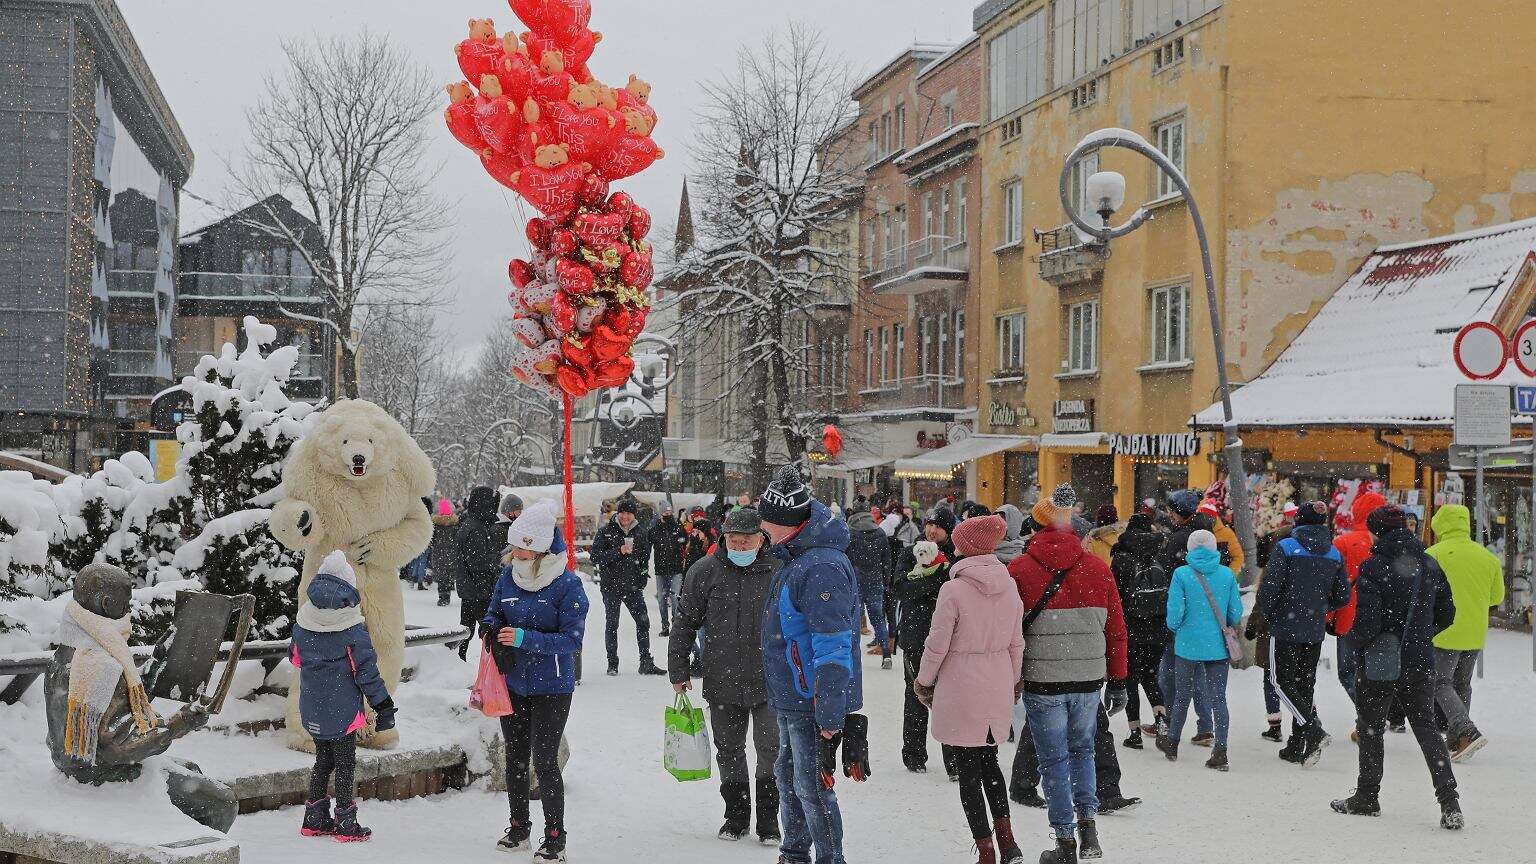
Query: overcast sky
(210, 59)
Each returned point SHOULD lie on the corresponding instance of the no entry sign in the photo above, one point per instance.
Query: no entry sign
(1480, 350)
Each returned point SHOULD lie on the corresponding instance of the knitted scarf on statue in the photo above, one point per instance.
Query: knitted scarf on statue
(101, 659)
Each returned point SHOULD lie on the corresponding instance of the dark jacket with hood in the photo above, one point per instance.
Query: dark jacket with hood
(668, 540)
(480, 539)
(1138, 550)
(727, 602)
(1175, 545)
(1384, 594)
(869, 551)
(338, 669)
(620, 573)
(443, 554)
(1303, 581)
(918, 596)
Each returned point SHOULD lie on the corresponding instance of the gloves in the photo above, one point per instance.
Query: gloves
(1256, 626)
(1115, 698)
(923, 694)
(856, 747)
(829, 758)
(384, 715)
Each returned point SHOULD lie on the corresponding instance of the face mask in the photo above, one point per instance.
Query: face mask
(741, 559)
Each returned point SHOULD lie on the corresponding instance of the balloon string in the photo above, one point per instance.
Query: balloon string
(570, 503)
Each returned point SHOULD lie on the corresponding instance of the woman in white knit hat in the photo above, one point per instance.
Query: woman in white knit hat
(538, 614)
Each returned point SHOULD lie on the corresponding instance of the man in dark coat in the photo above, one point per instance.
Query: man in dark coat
(1400, 591)
(443, 554)
(668, 541)
(478, 541)
(869, 551)
(725, 596)
(622, 553)
(1304, 580)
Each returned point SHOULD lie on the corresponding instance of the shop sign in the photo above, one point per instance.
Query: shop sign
(1072, 415)
(1160, 446)
(1006, 416)
(931, 440)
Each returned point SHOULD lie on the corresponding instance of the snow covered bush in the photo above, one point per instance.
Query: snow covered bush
(27, 519)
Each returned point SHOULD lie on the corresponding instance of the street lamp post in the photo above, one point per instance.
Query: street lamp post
(1106, 193)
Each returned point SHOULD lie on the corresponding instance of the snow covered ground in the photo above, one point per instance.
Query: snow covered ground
(621, 806)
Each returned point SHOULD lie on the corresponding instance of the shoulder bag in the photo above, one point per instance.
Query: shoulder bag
(1045, 599)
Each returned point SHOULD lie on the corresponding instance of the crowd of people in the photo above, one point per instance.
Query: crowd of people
(764, 603)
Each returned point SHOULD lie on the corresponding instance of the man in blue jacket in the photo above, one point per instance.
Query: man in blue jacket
(810, 664)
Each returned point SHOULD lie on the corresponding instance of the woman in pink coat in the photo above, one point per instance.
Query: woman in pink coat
(970, 671)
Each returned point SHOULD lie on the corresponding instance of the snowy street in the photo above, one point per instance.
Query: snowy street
(622, 807)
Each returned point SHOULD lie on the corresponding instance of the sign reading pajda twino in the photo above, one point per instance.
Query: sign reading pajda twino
(1181, 445)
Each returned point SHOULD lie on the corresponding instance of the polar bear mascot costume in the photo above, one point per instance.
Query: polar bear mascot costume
(355, 483)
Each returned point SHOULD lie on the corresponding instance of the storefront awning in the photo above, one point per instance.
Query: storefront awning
(940, 464)
(847, 468)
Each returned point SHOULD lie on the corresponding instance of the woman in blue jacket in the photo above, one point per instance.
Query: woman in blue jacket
(538, 614)
(1199, 647)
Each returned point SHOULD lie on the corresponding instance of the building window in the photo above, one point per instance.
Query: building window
(1013, 213)
(1170, 324)
(874, 140)
(1077, 185)
(926, 209)
(1168, 54)
(944, 206)
(1082, 337)
(1170, 140)
(869, 359)
(1152, 18)
(870, 229)
(899, 142)
(900, 339)
(1010, 342)
(885, 356)
(943, 344)
(901, 233)
(1088, 34)
(960, 221)
(959, 367)
(925, 346)
(1016, 66)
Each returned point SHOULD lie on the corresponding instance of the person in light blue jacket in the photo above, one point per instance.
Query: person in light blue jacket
(1199, 589)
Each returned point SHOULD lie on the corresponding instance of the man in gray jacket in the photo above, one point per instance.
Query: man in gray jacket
(725, 595)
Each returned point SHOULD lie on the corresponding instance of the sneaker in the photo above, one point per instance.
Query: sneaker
(1203, 739)
(885, 663)
(516, 838)
(613, 670)
(1111, 804)
(442, 602)
(553, 847)
(1134, 740)
(1357, 805)
(317, 819)
(1467, 746)
(1088, 840)
(1029, 796)
(1168, 747)
(1273, 733)
(1218, 760)
(1314, 750)
(649, 667)
(1450, 816)
(733, 830)
(347, 829)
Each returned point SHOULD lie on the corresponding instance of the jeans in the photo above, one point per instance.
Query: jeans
(532, 733)
(1165, 683)
(1416, 695)
(1294, 668)
(1063, 727)
(668, 590)
(730, 734)
(1106, 764)
(417, 569)
(1453, 690)
(1347, 663)
(981, 787)
(634, 601)
(873, 599)
(807, 809)
(1145, 662)
(1206, 682)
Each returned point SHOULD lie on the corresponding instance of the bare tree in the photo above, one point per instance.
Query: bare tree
(342, 131)
(768, 184)
(401, 366)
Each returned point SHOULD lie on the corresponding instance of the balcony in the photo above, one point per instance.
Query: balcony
(131, 283)
(925, 265)
(250, 286)
(924, 391)
(1068, 258)
(130, 362)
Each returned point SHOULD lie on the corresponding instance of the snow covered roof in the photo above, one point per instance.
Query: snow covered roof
(923, 52)
(911, 157)
(1379, 352)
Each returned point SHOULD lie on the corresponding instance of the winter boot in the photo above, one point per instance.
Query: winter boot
(1159, 725)
(1203, 739)
(665, 631)
(1029, 796)
(1168, 747)
(1088, 840)
(1293, 749)
(986, 852)
(768, 812)
(1008, 851)
(1357, 805)
(1450, 815)
(1064, 853)
(1218, 760)
(885, 663)
(1117, 803)
(613, 669)
(516, 837)
(738, 810)
(1134, 740)
(553, 847)
(733, 830)
(347, 829)
(1316, 742)
(649, 667)
(317, 819)
(1273, 733)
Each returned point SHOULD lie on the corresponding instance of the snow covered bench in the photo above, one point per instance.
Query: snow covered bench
(51, 847)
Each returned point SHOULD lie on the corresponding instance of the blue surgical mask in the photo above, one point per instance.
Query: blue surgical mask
(741, 559)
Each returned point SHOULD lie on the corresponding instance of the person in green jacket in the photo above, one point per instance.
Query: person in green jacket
(1477, 584)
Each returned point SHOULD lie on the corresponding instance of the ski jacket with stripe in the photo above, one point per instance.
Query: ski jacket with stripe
(1303, 581)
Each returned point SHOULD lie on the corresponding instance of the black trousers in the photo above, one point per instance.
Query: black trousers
(914, 723)
(1295, 666)
(338, 756)
(1026, 764)
(634, 601)
(981, 787)
(1144, 658)
(1417, 698)
(532, 732)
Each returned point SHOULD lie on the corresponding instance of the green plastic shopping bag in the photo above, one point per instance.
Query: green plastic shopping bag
(686, 752)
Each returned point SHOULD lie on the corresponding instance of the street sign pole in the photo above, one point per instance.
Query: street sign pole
(1482, 534)
(1532, 557)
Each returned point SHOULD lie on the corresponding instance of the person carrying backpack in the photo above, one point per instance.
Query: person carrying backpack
(1143, 586)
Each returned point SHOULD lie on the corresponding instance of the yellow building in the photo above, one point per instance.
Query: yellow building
(1311, 132)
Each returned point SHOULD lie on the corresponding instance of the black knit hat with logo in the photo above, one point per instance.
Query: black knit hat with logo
(786, 501)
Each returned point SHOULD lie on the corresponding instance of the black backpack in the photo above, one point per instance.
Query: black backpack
(1149, 591)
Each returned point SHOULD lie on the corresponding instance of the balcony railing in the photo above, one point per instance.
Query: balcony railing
(917, 391)
(935, 261)
(1068, 258)
(131, 282)
(250, 286)
(133, 362)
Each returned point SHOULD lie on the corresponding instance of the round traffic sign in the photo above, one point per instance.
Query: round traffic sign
(1522, 348)
(1480, 351)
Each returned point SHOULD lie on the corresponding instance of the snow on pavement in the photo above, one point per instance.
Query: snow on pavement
(621, 806)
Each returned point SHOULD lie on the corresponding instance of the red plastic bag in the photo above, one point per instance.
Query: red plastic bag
(490, 696)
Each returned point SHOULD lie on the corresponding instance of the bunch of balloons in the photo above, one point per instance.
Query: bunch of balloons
(544, 127)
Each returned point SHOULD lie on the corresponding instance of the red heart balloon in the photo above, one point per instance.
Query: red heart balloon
(628, 156)
(503, 169)
(528, 331)
(516, 73)
(460, 117)
(621, 204)
(563, 242)
(576, 350)
(618, 318)
(597, 230)
(520, 272)
(551, 190)
(636, 324)
(637, 271)
(539, 231)
(479, 57)
(573, 380)
(607, 343)
(575, 278)
(639, 224)
(562, 314)
(575, 48)
(497, 120)
(556, 18)
(593, 190)
(588, 131)
(615, 372)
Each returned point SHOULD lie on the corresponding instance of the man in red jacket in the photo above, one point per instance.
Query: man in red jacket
(1355, 545)
(1075, 642)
